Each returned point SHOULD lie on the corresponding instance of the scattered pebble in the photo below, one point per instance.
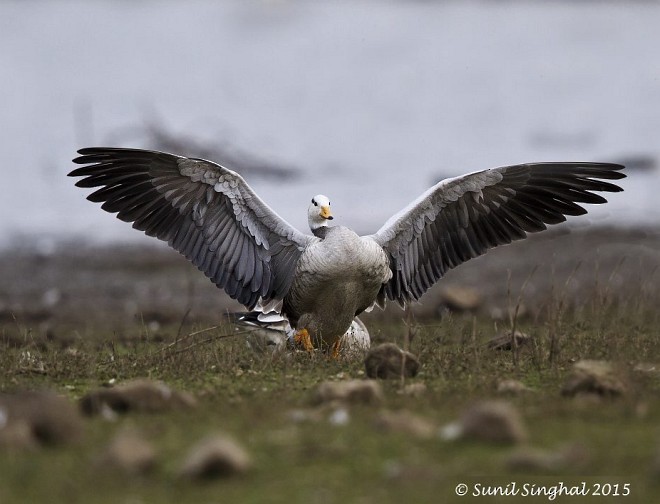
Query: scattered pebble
(334, 412)
(138, 395)
(51, 297)
(339, 417)
(647, 368)
(389, 361)
(512, 387)
(594, 377)
(130, 453)
(490, 421)
(351, 391)
(215, 457)
(29, 419)
(406, 422)
(503, 341)
(452, 431)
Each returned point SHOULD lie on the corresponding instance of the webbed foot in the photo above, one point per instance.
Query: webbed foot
(335, 349)
(303, 339)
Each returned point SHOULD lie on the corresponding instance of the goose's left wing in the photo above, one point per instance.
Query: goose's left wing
(461, 218)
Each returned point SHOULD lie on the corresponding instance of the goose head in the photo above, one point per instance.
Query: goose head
(318, 213)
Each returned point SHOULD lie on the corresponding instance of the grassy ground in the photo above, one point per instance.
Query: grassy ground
(251, 397)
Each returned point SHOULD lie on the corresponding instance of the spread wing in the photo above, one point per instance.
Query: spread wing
(203, 210)
(461, 218)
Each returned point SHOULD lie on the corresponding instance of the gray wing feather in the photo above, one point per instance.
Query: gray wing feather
(203, 210)
(461, 218)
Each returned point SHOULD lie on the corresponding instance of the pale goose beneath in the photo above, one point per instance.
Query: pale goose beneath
(322, 281)
(271, 332)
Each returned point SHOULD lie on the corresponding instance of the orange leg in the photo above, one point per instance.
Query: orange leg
(335, 349)
(303, 339)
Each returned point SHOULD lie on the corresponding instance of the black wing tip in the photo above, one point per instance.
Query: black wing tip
(590, 170)
(95, 155)
(77, 172)
(91, 151)
(88, 155)
(615, 171)
(610, 171)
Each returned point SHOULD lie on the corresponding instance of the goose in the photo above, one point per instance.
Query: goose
(272, 332)
(320, 282)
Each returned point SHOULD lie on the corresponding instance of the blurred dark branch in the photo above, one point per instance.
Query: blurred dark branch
(159, 138)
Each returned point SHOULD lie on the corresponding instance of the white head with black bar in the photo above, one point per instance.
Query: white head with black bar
(318, 213)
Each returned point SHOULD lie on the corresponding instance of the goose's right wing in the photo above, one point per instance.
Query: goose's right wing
(203, 210)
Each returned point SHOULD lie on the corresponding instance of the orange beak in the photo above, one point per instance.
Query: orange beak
(325, 212)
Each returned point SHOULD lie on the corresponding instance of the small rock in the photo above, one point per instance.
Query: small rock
(647, 368)
(138, 395)
(594, 377)
(130, 453)
(51, 297)
(351, 391)
(503, 341)
(452, 431)
(494, 421)
(459, 298)
(490, 421)
(405, 422)
(512, 387)
(38, 418)
(389, 361)
(215, 457)
(339, 417)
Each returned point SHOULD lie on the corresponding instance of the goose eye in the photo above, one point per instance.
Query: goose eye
(315, 203)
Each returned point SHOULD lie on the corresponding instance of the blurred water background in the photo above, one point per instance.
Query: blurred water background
(368, 102)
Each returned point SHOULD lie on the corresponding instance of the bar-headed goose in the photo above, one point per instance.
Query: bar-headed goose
(211, 215)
